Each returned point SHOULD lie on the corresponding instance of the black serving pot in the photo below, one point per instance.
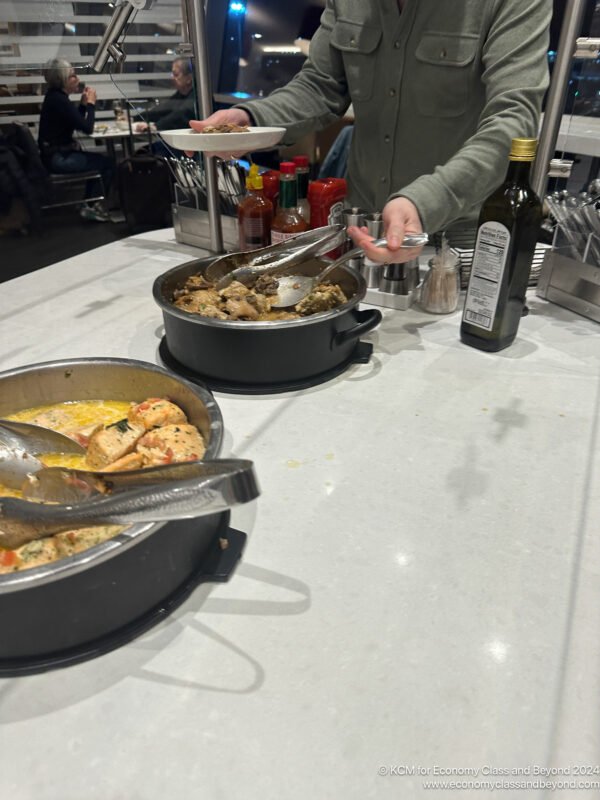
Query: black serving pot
(81, 606)
(257, 353)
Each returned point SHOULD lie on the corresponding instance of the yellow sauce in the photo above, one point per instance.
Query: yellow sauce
(67, 418)
(77, 414)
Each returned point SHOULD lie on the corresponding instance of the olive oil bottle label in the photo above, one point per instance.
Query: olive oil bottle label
(489, 259)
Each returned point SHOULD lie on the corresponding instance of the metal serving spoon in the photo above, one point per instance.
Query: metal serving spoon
(294, 288)
(176, 491)
(20, 442)
(247, 267)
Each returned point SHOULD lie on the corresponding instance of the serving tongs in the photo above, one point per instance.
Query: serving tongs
(72, 498)
(20, 442)
(294, 288)
(246, 267)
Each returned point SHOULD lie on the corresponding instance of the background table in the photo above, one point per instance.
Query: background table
(420, 589)
(114, 135)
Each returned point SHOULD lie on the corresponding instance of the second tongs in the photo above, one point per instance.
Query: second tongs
(72, 498)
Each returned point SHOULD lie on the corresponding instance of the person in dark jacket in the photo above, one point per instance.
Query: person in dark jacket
(177, 110)
(59, 119)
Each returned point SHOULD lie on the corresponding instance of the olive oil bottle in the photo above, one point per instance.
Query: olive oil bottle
(507, 233)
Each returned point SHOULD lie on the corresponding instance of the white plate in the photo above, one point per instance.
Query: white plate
(246, 142)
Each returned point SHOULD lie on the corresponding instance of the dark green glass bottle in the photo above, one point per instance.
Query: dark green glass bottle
(507, 233)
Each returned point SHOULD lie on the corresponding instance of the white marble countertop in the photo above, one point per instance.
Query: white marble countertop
(420, 589)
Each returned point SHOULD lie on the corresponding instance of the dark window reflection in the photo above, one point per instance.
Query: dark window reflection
(264, 44)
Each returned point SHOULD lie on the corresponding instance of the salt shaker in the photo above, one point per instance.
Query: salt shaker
(441, 285)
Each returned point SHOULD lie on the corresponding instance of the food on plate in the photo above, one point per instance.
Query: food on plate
(240, 302)
(226, 127)
(117, 436)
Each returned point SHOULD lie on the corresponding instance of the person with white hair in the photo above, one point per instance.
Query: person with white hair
(59, 119)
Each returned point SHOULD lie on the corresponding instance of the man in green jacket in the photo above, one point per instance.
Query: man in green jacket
(438, 88)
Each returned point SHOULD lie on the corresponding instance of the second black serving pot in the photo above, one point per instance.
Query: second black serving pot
(264, 352)
(89, 603)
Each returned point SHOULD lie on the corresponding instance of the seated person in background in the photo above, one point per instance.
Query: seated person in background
(175, 111)
(59, 119)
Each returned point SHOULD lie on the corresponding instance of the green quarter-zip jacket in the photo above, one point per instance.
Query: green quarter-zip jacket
(438, 92)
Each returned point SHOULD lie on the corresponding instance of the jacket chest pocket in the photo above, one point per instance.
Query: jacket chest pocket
(444, 75)
(358, 45)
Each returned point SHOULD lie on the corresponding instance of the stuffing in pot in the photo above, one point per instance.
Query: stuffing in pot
(239, 302)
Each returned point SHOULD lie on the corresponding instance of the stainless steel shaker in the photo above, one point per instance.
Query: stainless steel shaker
(400, 278)
(372, 270)
(353, 216)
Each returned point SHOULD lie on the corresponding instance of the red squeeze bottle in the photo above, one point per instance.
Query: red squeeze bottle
(271, 186)
(326, 199)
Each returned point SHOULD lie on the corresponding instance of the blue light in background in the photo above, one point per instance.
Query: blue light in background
(236, 7)
(241, 95)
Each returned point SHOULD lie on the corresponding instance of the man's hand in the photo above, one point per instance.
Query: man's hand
(400, 217)
(237, 116)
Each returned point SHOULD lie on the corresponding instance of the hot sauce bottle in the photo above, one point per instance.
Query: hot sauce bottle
(288, 220)
(255, 214)
(302, 180)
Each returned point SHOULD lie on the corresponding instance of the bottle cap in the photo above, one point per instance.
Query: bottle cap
(523, 149)
(301, 161)
(253, 179)
(287, 168)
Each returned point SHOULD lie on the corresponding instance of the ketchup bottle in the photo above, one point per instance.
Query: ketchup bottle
(271, 186)
(255, 214)
(288, 220)
(326, 198)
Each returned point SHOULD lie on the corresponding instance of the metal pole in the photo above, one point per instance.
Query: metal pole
(557, 94)
(194, 15)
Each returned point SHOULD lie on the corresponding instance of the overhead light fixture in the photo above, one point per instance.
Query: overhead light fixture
(109, 46)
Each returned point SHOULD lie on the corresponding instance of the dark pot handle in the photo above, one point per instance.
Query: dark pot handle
(368, 319)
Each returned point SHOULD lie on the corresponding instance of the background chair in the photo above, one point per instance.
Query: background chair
(69, 189)
(60, 189)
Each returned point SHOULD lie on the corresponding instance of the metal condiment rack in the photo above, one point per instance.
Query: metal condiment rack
(401, 302)
(192, 224)
(570, 281)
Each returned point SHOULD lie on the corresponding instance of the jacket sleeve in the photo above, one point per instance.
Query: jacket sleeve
(158, 111)
(176, 114)
(315, 97)
(515, 74)
(81, 118)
